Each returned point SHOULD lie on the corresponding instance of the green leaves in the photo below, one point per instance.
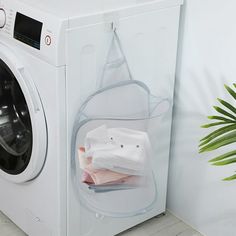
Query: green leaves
(217, 133)
(215, 124)
(231, 91)
(223, 112)
(224, 156)
(226, 162)
(233, 177)
(227, 105)
(219, 142)
(223, 136)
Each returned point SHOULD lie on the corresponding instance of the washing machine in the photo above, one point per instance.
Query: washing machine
(53, 92)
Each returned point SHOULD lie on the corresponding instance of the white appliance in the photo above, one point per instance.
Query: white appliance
(52, 54)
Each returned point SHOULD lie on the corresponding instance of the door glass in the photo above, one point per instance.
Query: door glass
(15, 124)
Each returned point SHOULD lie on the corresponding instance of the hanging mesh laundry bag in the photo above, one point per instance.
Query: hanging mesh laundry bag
(112, 150)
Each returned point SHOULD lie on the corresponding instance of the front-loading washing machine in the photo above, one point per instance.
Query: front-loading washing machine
(54, 92)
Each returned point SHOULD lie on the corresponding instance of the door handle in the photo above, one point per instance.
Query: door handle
(31, 89)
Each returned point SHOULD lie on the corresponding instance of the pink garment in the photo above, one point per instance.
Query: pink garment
(101, 176)
(129, 180)
(86, 178)
(83, 161)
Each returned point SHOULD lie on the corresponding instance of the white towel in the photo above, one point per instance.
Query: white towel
(119, 149)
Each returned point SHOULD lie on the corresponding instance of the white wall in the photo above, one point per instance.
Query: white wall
(207, 60)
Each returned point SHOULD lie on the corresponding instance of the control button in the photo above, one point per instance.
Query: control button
(2, 18)
(48, 40)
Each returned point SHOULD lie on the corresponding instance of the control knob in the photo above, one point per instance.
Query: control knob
(2, 18)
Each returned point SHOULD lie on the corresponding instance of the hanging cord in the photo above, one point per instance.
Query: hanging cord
(122, 51)
(116, 39)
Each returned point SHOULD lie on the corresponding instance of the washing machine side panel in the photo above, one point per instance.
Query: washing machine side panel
(53, 177)
(150, 43)
(51, 83)
(39, 206)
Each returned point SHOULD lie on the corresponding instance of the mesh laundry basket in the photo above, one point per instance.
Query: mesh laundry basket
(121, 107)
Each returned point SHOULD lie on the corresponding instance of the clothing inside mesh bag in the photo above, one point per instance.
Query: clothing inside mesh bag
(118, 149)
(114, 159)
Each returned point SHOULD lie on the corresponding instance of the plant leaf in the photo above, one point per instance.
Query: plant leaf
(220, 131)
(228, 105)
(217, 134)
(231, 91)
(225, 162)
(222, 136)
(220, 142)
(233, 177)
(222, 111)
(215, 124)
(220, 118)
(224, 156)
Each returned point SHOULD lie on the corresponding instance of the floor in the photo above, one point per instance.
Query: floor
(167, 225)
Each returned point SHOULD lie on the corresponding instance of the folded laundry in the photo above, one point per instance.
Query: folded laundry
(96, 139)
(125, 183)
(98, 176)
(121, 150)
(101, 176)
(131, 182)
(114, 159)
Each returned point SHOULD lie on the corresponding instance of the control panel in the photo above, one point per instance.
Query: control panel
(28, 30)
(39, 33)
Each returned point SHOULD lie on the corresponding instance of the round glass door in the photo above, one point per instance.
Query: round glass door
(16, 136)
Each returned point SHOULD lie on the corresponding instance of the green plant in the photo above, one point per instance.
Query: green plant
(223, 136)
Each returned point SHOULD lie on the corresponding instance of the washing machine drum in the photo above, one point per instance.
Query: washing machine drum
(15, 125)
(18, 128)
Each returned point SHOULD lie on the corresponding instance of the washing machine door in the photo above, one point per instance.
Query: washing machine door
(23, 132)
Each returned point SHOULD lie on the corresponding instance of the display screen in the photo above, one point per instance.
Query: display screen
(28, 30)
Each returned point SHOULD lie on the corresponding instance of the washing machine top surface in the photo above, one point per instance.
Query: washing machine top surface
(78, 8)
(40, 27)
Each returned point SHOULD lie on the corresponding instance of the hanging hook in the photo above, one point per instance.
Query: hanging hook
(113, 26)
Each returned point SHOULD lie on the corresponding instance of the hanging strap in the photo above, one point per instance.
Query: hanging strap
(116, 63)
